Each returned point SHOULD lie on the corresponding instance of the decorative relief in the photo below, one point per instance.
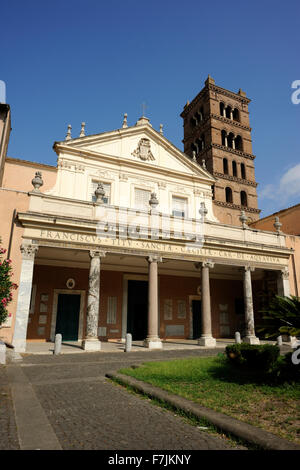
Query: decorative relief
(79, 168)
(143, 150)
(28, 251)
(70, 283)
(285, 273)
(123, 177)
(64, 164)
(236, 206)
(235, 178)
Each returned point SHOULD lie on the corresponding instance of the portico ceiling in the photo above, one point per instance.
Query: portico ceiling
(135, 264)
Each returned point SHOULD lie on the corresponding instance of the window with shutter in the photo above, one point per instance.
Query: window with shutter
(179, 206)
(106, 187)
(141, 199)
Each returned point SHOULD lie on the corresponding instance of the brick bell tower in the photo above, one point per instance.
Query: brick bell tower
(217, 133)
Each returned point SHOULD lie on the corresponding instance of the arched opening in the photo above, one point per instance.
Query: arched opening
(243, 199)
(224, 138)
(222, 109)
(234, 168)
(228, 194)
(230, 140)
(243, 171)
(225, 166)
(228, 112)
(239, 143)
(236, 115)
(193, 122)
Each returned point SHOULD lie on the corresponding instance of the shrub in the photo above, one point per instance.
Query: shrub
(6, 286)
(259, 357)
(286, 370)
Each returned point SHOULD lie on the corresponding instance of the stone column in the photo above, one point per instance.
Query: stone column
(24, 295)
(153, 341)
(249, 314)
(206, 338)
(283, 282)
(91, 341)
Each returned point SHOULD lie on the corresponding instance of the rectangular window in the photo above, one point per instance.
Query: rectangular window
(179, 206)
(106, 187)
(141, 199)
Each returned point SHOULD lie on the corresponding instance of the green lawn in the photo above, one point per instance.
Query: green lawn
(245, 395)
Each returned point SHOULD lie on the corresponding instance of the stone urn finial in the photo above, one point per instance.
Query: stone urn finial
(99, 193)
(161, 129)
(277, 224)
(194, 156)
(153, 201)
(203, 211)
(125, 121)
(68, 136)
(203, 164)
(37, 181)
(243, 219)
(82, 131)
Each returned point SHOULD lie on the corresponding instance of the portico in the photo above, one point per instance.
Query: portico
(100, 276)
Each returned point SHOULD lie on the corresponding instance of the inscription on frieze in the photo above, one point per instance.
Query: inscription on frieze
(76, 239)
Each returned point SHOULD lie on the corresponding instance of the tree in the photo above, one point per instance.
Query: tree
(6, 286)
(282, 316)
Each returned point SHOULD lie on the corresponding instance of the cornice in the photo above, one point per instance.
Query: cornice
(125, 162)
(219, 118)
(226, 149)
(236, 206)
(216, 89)
(235, 178)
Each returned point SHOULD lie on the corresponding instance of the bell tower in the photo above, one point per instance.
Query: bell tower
(217, 133)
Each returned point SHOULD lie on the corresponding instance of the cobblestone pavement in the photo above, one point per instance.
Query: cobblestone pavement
(86, 411)
(8, 430)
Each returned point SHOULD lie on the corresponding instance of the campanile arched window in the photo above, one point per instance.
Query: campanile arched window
(244, 199)
(225, 166)
(228, 194)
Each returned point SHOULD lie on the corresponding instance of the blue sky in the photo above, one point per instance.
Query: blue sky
(72, 61)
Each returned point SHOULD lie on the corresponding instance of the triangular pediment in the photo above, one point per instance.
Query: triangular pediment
(142, 145)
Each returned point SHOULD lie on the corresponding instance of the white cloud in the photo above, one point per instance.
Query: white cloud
(288, 187)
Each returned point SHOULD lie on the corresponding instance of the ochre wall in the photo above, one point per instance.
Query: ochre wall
(14, 196)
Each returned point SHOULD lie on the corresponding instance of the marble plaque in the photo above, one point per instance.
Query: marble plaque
(102, 331)
(44, 297)
(174, 330)
(168, 309)
(181, 309)
(41, 330)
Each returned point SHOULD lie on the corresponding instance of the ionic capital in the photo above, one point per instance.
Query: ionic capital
(204, 264)
(28, 251)
(154, 259)
(248, 268)
(284, 273)
(97, 254)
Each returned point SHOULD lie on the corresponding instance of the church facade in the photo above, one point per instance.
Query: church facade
(128, 234)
